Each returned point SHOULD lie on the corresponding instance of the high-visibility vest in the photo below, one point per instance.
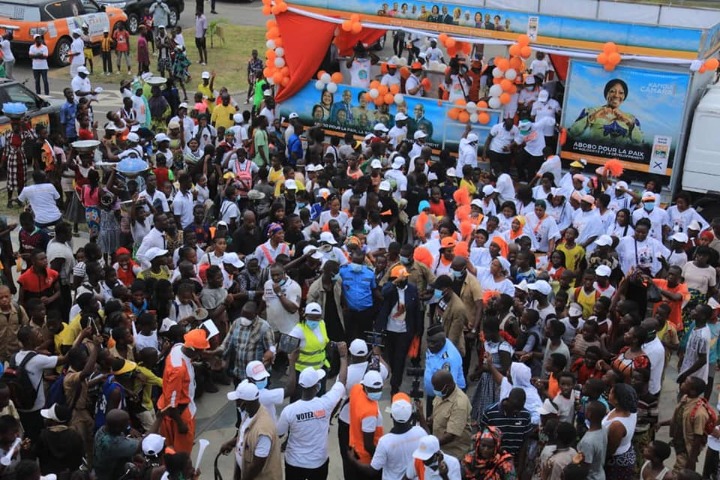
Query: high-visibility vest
(362, 407)
(313, 353)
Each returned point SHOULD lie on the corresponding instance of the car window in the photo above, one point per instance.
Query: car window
(14, 11)
(18, 93)
(90, 7)
(64, 9)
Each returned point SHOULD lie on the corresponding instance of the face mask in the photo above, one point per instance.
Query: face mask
(301, 205)
(649, 206)
(438, 393)
(336, 277)
(374, 395)
(528, 88)
(437, 295)
(312, 324)
(282, 282)
(457, 274)
(261, 384)
(245, 322)
(404, 260)
(356, 267)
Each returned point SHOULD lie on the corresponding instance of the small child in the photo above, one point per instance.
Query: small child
(565, 400)
(109, 235)
(126, 268)
(523, 269)
(138, 303)
(109, 282)
(147, 360)
(655, 454)
(183, 307)
(161, 172)
(146, 336)
(586, 295)
(586, 367)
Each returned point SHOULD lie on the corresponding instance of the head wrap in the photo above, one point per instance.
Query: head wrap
(274, 228)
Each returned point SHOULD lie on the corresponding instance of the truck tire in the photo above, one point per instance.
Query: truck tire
(133, 24)
(173, 17)
(60, 55)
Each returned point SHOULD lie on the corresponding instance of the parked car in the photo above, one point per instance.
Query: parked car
(40, 110)
(134, 10)
(55, 20)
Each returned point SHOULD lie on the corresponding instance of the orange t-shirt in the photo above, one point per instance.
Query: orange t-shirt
(553, 386)
(361, 407)
(675, 306)
(176, 381)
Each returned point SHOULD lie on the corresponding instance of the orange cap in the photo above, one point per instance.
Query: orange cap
(448, 242)
(196, 339)
(401, 396)
(398, 271)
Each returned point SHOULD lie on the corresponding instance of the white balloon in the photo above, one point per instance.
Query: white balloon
(374, 93)
(399, 99)
(280, 52)
(511, 74)
(279, 62)
(270, 80)
(471, 107)
(474, 117)
(494, 102)
(497, 73)
(325, 78)
(319, 85)
(496, 91)
(331, 87)
(270, 44)
(403, 62)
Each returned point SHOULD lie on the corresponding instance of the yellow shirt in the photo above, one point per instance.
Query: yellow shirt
(472, 189)
(276, 177)
(222, 116)
(163, 274)
(151, 380)
(281, 181)
(207, 93)
(573, 256)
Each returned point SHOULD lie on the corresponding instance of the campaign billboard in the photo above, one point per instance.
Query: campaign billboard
(632, 114)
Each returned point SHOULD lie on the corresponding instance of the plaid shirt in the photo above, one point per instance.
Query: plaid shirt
(247, 344)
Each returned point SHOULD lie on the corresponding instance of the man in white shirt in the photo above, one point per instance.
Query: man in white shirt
(77, 52)
(468, 150)
(38, 52)
(398, 133)
(658, 217)
(154, 197)
(434, 54)
(396, 174)
(497, 145)
(183, 203)
(43, 198)
(375, 240)
(533, 142)
(432, 460)
(307, 421)
(413, 85)
(655, 351)
(546, 107)
(80, 84)
(282, 295)
(186, 123)
(270, 398)
(539, 67)
(7, 55)
(392, 77)
(155, 238)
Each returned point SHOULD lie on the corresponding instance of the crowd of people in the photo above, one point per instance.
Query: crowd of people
(533, 311)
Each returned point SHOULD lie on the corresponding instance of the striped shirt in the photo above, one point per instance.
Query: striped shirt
(248, 343)
(514, 428)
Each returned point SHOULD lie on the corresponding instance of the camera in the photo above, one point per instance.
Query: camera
(417, 372)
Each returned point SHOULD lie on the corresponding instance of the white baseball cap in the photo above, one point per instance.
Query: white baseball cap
(603, 271)
(385, 186)
(540, 286)
(291, 184)
(313, 308)
(84, 70)
(131, 137)
(153, 444)
(401, 410)
(398, 163)
(231, 258)
(477, 202)
(244, 391)
(293, 115)
(154, 252)
(166, 324)
(695, 226)
(575, 310)
(543, 96)
(429, 445)
(256, 370)
(471, 137)
(400, 116)
(622, 184)
(680, 237)
(372, 379)
(183, 105)
(488, 190)
(450, 172)
(358, 347)
(419, 134)
(375, 164)
(380, 127)
(238, 118)
(161, 137)
(587, 198)
(327, 237)
(310, 377)
(205, 74)
(603, 241)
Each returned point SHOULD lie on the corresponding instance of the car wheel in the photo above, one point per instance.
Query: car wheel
(133, 24)
(62, 50)
(173, 17)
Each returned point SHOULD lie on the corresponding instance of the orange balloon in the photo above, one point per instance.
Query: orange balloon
(389, 98)
(285, 71)
(337, 77)
(525, 51)
(277, 77)
(602, 58)
(496, 81)
(320, 74)
(460, 102)
(278, 42)
(383, 89)
(394, 88)
(404, 72)
(347, 25)
(523, 40)
(356, 27)
(271, 24)
(270, 63)
(609, 67)
(463, 117)
(270, 54)
(285, 81)
(609, 47)
(712, 63)
(482, 104)
(451, 42)
(442, 38)
(467, 48)
(513, 89)
(483, 118)
(516, 63)
(383, 68)
(354, 18)
(497, 59)
(614, 58)
(702, 69)
(503, 64)
(505, 98)
(276, 10)
(453, 113)
(367, 97)
(506, 84)
(426, 83)
(379, 101)
(266, 10)
(374, 84)
(272, 33)
(283, 7)
(452, 51)
(267, 72)
(515, 50)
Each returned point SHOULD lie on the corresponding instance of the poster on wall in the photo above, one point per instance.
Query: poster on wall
(347, 111)
(632, 114)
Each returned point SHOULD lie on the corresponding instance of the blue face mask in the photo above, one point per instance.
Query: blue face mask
(649, 206)
(356, 267)
(457, 274)
(301, 205)
(282, 282)
(261, 384)
(437, 295)
(312, 324)
(374, 395)
(438, 393)
(404, 260)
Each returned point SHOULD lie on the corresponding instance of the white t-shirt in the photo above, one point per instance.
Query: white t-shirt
(389, 80)
(62, 250)
(360, 72)
(453, 470)
(539, 67)
(280, 319)
(306, 422)
(546, 110)
(183, 208)
(553, 165)
(457, 88)
(655, 351)
(467, 155)
(42, 198)
(375, 239)
(39, 63)
(394, 452)
(228, 211)
(502, 138)
(77, 48)
(412, 83)
(79, 84)
(34, 368)
(6, 50)
(262, 449)
(355, 373)
(270, 399)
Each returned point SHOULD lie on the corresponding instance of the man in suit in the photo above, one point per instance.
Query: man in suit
(345, 105)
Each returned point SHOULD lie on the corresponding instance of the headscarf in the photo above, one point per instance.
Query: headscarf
(520, 375)
(707, 235)
(274, 228)
(494, 468)
(521, 231)
(502, 244)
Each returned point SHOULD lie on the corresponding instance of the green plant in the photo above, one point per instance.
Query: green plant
(215, 29)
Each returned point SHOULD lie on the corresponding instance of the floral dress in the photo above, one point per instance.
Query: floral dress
(626, 366)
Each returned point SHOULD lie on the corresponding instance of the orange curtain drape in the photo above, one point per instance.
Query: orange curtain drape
(305, 41)
(345, 41)
(560, 64)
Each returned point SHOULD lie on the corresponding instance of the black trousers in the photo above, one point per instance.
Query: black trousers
(32, 423)
(399, 43)
(469, 349)
(499, 162)
(396, 348)
(41, 74)
(299, 473)
(528, 165)
(107, 62)
(357, 322)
